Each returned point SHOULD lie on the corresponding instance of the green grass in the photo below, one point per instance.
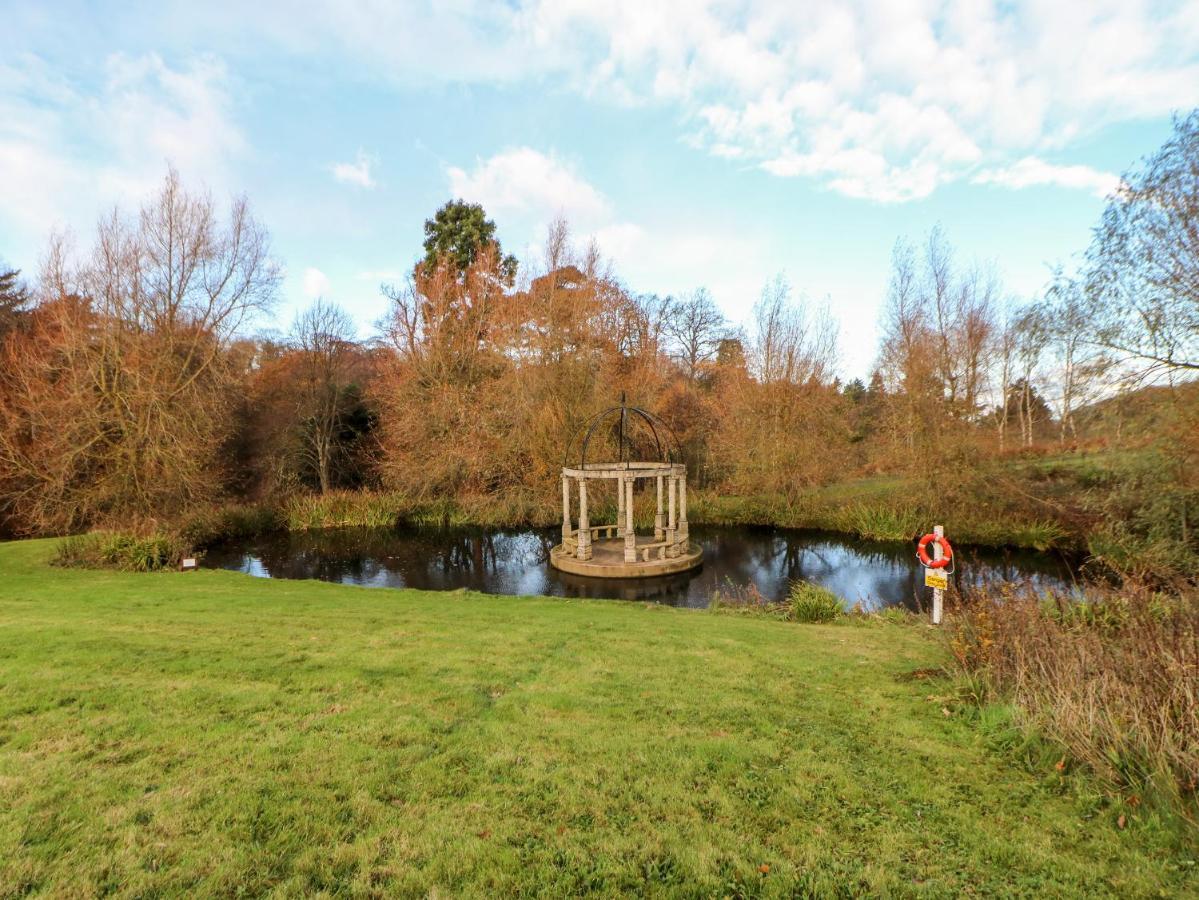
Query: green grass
(212, 734)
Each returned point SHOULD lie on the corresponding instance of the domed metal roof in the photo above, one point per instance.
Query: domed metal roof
(625, 418)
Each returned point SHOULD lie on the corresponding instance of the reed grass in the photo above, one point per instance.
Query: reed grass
(1112, 678)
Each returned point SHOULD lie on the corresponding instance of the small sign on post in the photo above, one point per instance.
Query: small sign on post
(936, 579)
(935, 575)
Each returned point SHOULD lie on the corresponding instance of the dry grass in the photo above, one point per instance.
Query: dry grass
(1114, 678)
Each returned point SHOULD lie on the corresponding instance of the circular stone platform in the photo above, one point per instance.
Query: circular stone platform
(608, 560)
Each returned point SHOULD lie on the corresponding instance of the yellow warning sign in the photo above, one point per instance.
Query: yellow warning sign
(936, 578)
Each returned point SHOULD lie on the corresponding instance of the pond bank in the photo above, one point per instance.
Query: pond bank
(885, 512)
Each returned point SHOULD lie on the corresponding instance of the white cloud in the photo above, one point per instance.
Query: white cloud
(358, 172)
(68, 149)
(529, 184)
(884, 101)
(1031, 171)
(316, 283)
(880, 99)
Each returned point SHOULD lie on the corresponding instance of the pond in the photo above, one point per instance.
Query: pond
(498, 561)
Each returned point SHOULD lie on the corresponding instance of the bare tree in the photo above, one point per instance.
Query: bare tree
(119, 400)
(962, 307)
(696, 328)
(789, 341)
(1079, 363)
(1007, 338)
(1032, 337)
(323, 337)
(1144, 260)
(906, 357)
(976, 326)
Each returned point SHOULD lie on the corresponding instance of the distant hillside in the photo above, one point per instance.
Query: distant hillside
(1137, 413)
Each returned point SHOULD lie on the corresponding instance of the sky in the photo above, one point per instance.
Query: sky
(699, 144)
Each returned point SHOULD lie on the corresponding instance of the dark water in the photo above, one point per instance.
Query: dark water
(873, 573)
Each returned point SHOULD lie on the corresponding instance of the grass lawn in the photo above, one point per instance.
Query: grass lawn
(210, 733)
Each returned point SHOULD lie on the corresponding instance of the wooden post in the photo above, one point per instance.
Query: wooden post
(584, 551)
(630, 536)
(938, 594)
(565, 507)
(659, 519)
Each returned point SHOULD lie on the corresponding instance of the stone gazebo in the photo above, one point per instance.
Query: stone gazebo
(616, 551)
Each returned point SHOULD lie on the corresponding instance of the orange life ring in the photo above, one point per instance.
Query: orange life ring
(927, 561)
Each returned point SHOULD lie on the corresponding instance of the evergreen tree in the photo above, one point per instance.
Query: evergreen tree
(14, 298)
(457, 232)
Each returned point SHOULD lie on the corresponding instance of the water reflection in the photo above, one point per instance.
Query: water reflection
(872, 573)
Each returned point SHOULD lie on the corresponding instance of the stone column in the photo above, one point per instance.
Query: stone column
(630, 536)
(619, 506)
(584, 551)
(671, 549)
(659, 520)
(565, 507)
(683, 533)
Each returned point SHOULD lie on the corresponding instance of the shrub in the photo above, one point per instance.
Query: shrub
(809, 602)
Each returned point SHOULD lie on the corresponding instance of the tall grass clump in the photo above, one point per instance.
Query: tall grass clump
(1113, 677)
(126, 552)
(884, 523)
(808, 602)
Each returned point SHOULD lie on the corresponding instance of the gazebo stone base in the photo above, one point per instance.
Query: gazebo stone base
(608, 561)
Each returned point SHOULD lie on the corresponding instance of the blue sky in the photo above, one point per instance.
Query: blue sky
(699, 144)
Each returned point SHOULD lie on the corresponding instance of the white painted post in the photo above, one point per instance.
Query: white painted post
(659, 520)
(630, 536)
(938, 594)
(619, 506)
(584, 549)
(565, 507)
